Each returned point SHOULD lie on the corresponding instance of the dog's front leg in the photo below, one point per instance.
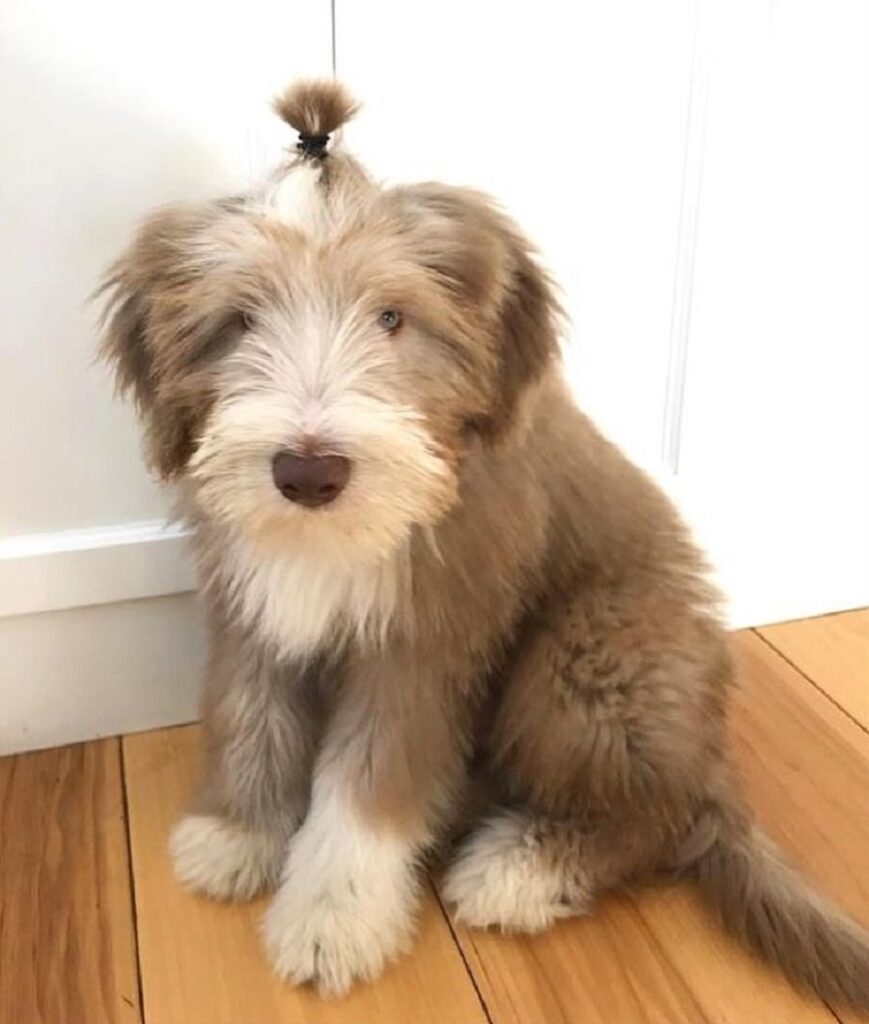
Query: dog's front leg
(391, 760)
(260, 733)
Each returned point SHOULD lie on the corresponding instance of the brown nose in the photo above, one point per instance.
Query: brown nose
(310, 480)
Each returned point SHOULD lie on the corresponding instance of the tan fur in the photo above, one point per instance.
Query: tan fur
(499, 612)
(763, 902)
(316, 107)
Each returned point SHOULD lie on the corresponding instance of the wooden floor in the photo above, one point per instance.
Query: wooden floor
(93, 929)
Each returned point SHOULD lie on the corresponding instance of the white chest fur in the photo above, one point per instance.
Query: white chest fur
(302, 601)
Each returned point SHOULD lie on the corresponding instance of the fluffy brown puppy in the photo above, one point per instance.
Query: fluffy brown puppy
(428, 578)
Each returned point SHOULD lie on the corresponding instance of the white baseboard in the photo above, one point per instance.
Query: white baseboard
(99, 670)
(99, 634)
(44, 572)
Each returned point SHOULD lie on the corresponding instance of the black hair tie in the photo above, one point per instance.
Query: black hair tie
(312, 145)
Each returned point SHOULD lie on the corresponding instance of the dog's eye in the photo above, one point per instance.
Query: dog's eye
(390, 319)
(248, 321)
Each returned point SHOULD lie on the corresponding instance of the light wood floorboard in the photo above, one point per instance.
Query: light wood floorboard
(833, 652)
(67, 948)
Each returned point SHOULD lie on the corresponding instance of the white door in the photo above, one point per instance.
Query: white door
(696, 177)
(773, 465)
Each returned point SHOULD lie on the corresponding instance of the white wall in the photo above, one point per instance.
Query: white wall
(774, 463)
(107, 109)
(695, 172)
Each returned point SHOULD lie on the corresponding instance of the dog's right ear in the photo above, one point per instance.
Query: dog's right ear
(161, 317)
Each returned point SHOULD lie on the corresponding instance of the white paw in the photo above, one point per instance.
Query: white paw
(223, 860)
(503, 878)
(334, 937)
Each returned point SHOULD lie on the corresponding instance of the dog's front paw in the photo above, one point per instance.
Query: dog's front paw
(333, 939)
(214, 857)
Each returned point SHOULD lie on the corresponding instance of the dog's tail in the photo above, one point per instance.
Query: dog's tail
(315, 108)
(764, 903)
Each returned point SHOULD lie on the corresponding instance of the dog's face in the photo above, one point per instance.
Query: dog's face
(317, 360)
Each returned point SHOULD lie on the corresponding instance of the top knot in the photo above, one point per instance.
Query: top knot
(315, 108)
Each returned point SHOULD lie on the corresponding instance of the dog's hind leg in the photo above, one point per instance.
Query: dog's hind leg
(601, 750)
(520, 871)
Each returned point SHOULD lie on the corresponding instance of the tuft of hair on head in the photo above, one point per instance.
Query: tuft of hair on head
(315, 108)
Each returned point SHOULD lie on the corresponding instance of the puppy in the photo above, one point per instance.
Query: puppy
(438, 598)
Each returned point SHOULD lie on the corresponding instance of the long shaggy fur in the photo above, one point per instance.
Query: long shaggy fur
(316, 107)
(499, 628)
(764, 903)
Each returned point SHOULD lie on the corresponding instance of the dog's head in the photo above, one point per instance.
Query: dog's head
(318, 357)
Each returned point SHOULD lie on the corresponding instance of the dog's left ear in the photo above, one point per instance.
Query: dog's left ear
(490, 268)
(528, 326)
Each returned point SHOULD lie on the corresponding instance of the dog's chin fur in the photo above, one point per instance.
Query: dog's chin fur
(497, 603)
(306, 577)
(302, 600)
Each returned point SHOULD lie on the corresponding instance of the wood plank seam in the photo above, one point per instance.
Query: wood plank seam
(461, 951)
(835, 1015)
(67, 943)
(801, 672)
(122, 764)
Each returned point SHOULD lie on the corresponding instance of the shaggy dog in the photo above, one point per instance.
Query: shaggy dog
(439, 600)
